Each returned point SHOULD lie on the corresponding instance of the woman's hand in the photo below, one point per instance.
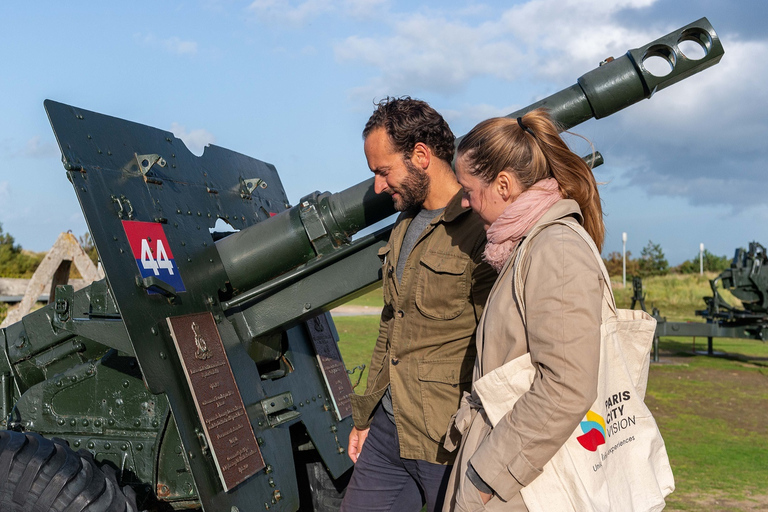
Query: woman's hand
(485, 497)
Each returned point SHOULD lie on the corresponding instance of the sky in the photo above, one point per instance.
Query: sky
(292, 82)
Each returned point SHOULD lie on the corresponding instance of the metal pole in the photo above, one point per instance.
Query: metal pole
(701, 259)
(624, 259)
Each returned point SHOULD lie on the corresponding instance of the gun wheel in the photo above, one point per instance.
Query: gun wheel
(44, 475)
(318, 491)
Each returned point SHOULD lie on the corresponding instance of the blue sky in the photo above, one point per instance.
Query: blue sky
(292, 82)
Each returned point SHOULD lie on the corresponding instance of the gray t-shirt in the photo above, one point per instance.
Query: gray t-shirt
(412, 234)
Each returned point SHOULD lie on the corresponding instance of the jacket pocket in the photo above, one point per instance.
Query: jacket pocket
(442, 383)
(443, 285)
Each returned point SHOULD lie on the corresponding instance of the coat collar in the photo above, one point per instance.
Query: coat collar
(452, 211)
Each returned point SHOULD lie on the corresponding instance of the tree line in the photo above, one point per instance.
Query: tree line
(16, 262)
(652, 262)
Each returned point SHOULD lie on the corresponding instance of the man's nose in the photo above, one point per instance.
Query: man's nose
(379, 184)
(464, 202)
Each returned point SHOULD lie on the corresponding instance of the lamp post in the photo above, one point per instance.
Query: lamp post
(624, 259)
(701, 259)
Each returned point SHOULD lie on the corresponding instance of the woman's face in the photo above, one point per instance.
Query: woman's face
(488, 200)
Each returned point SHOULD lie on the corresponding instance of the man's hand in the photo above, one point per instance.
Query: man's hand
(356, 440)
(485, 497)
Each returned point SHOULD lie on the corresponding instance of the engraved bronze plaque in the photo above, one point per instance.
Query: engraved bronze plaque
(217, 398)
(332, 367)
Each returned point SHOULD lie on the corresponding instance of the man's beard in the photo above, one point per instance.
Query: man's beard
(413, 190)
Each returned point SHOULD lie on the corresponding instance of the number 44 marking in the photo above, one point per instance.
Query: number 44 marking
(149, 262)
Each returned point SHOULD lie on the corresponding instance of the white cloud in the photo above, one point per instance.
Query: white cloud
(173, 45)
(195, 140)
(180, 46)
(365, 9)
(443, 52)
(287, 12)
(431, 54)
(38, 148)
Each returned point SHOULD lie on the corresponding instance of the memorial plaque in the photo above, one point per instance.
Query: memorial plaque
(217, 398)
(331, 365)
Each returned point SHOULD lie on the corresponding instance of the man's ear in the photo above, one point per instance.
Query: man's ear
(421, 156)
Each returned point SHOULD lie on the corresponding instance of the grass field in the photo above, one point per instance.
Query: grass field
(712, 411)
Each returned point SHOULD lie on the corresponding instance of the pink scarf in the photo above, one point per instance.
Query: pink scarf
(517, 218)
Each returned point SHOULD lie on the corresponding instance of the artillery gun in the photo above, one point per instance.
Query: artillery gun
(747, 280)
(203, 371)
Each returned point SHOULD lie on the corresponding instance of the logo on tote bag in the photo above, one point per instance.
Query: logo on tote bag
(594, 431)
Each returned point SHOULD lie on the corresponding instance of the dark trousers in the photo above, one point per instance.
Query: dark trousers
(384, 482)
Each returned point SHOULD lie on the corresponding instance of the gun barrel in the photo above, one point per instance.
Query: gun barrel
(619, 83)
(318, 225)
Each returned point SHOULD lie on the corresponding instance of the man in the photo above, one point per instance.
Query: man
(435, 285)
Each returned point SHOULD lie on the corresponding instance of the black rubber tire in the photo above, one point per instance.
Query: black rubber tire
(44, 475)
(324, 493)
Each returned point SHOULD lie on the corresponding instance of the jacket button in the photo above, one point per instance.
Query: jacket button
(400, 313)
(390, 270)
(395, 361)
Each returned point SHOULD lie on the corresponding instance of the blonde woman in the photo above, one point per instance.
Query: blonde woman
(518, 175)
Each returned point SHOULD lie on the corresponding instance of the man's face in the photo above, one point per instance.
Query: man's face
(393, 173)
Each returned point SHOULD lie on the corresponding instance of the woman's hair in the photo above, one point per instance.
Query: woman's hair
(533, 150)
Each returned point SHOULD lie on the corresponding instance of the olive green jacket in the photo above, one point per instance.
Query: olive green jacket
(426, 344)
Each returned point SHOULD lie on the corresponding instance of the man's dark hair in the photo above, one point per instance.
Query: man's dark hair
(408, 121)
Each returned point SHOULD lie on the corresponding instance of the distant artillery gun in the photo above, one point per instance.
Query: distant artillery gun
(747, 280)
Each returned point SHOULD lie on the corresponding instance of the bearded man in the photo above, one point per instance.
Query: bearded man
(435, 285)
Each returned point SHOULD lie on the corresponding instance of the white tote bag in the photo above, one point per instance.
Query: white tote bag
(615, 460)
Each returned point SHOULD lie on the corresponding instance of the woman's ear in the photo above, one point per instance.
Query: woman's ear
(507, 186)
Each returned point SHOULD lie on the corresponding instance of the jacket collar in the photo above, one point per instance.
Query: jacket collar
(454, 208)
(452, 211)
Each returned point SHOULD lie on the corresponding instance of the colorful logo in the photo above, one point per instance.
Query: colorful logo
(594, 431)
(153, 253)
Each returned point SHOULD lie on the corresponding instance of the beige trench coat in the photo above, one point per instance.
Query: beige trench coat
(563, 290)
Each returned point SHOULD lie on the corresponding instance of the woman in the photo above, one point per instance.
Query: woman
(519, 175)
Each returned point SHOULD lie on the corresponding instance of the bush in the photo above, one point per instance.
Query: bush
(14, 262)
(652, 261)
(712, 263)
(614, 264)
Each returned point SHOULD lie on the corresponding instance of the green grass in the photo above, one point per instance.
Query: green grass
(677, 296)
(372, 299)
(712, 415)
